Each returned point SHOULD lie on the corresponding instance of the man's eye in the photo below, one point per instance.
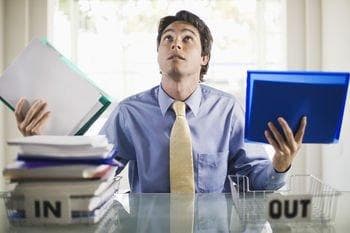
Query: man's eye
(168, 38)
(187, 38)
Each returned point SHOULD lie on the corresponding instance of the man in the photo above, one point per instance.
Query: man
(141, 125)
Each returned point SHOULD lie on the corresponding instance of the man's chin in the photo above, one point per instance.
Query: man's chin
(175, 74)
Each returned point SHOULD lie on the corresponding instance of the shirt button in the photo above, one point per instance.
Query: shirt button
(273, 177)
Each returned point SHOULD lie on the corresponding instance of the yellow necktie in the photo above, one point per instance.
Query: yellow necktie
(181, 161)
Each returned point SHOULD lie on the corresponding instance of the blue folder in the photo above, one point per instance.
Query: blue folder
(54, 160)
(320, 96)
(35, 161)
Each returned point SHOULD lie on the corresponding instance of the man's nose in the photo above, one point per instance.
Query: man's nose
(176, 44)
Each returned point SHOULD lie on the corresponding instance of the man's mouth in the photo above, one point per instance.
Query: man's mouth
(175, 56)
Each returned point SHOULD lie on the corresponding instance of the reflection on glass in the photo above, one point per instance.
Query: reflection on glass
(161, 213)
(153, 213)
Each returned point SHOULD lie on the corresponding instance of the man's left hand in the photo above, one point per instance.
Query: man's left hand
(286, 146)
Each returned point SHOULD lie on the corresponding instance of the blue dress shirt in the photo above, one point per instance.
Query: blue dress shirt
(140, 128)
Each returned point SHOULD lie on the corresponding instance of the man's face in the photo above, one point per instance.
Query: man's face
(179, 52)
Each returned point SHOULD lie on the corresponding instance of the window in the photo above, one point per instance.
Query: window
(114, 42)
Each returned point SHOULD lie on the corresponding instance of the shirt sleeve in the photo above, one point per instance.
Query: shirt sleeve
(250, 160)
(117, 134)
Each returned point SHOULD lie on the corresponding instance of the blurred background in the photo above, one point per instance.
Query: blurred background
(114, 43)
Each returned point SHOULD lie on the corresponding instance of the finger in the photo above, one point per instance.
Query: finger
(36, 108)
(18, 110)
(33, 111)
(272, 142)
(37, 128)
(300, 134)
(278, 137)
(36, 120)
(288, 134)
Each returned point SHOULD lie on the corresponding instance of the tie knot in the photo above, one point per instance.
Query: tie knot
(179, 108)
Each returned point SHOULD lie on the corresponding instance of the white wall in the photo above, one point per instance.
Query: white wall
(336, 56)
(2, 206)
(1, 105)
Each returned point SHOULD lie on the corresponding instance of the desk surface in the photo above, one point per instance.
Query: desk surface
(151, 213)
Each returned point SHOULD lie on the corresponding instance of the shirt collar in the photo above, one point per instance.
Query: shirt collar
(193, 102)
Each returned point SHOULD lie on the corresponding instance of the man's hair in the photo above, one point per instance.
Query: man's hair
(204, 32)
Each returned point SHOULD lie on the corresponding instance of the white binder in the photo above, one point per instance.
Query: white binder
(41, 72)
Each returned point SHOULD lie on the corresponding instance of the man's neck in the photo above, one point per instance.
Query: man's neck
(179, 89)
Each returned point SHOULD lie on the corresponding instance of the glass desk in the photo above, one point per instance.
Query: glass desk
(151, 213)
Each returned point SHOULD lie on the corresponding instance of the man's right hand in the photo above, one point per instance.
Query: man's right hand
(31, 122)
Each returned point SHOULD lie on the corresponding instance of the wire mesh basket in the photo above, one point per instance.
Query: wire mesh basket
(18, 206)
(257, 206)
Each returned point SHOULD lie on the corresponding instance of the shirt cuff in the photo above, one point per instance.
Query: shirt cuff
(276, 179)
(284, 171)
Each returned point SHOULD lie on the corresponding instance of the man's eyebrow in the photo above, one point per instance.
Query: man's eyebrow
(183, 30)
(168, 30)
(189, 30)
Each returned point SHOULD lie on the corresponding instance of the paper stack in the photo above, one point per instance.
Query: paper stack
(61, 179)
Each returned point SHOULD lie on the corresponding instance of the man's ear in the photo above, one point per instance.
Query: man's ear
(205, 60)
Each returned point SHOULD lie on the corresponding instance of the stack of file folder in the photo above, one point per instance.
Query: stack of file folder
(61, 179)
